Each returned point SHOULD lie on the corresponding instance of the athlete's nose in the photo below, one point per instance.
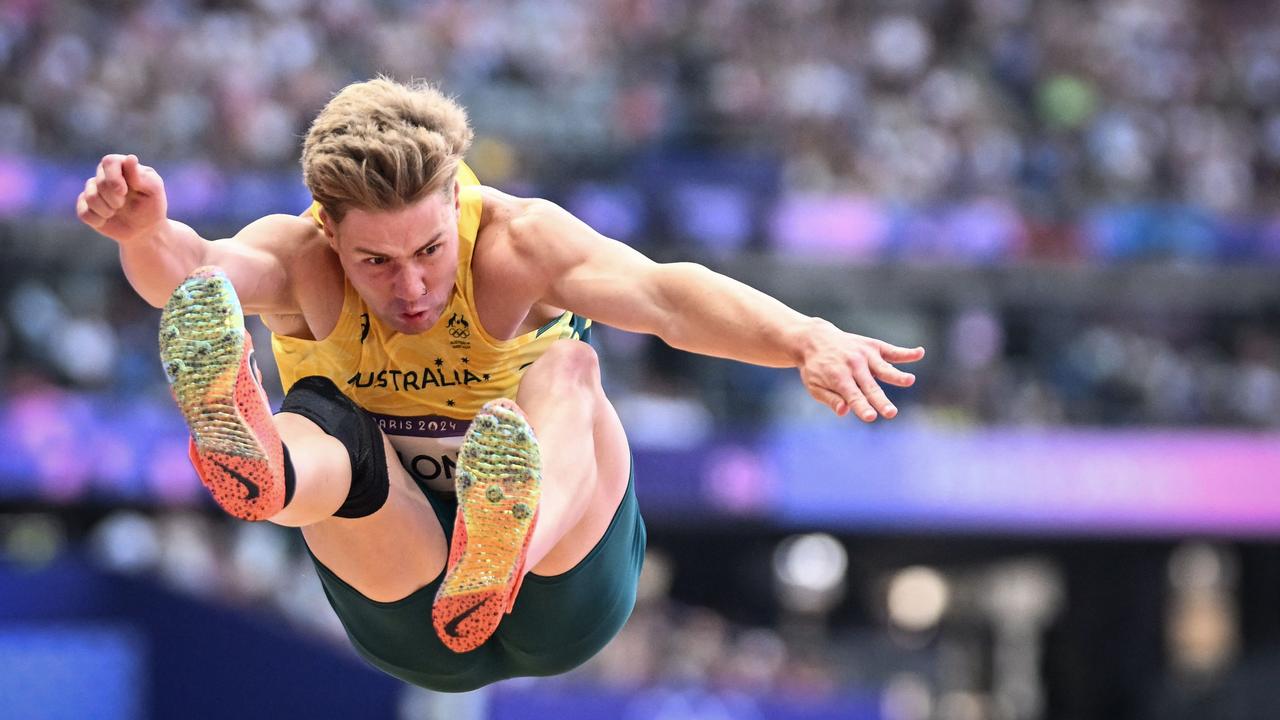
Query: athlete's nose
(408, 286)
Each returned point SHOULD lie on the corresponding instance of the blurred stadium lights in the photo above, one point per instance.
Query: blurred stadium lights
(963, 705)
(906, 696)
(655, 577)
(1023, 593)
(810, 572)
(419, 704)
(1202, 621)
(33, 540)
(1023, 599)
(189, 559)
(1201, 566)
(259, 556)
(917, 598)
(125, 542)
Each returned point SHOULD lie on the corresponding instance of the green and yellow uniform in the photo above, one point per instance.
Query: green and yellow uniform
(423, 390)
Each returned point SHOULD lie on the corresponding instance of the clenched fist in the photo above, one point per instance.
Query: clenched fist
(125, 200)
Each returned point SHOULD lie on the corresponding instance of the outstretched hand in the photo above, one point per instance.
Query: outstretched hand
(123, 200)
(843, 371)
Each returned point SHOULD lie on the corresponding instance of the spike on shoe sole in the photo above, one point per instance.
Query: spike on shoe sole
(208, 359)
(498, 485)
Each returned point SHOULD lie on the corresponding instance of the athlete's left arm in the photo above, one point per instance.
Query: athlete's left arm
(692, 308)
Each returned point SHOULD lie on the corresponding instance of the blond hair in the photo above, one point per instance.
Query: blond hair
(382, 145)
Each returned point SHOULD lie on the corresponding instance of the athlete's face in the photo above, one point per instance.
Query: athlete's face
(402, 262)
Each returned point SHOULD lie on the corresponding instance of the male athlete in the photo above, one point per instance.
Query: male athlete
(462, 482)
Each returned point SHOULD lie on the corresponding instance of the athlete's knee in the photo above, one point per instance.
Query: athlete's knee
(320, 401)
(568, 361)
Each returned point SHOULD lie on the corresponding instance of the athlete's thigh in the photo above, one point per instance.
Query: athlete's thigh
(391, 553)
(607, 488)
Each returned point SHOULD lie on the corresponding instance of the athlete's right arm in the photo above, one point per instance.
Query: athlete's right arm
(126, 202)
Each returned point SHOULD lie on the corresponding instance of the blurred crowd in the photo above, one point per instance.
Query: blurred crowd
(1037, 112)
(987, 365)
(1130, 368)
(1054, 104)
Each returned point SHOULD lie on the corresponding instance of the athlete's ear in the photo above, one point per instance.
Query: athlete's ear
(330, 228)
(457, 196)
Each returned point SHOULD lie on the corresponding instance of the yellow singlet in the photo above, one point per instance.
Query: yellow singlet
(424, 389)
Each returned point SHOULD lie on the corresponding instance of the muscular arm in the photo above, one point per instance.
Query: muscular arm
(687, 305)
(126, 202)
(156, 262)
(708, 313)
(695, 309)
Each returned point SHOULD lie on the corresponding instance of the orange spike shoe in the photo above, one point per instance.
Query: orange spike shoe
(498, 483)
(208, 359)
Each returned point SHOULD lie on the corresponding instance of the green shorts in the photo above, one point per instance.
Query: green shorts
(558, 622)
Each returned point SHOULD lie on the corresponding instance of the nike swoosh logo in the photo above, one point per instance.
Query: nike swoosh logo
(451, 628)
(248, 484)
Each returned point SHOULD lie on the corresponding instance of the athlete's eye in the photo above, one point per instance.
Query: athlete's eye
(375, 261)
(429, 250)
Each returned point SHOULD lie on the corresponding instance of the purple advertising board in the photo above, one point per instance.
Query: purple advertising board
(1060, 479)
(65, 448)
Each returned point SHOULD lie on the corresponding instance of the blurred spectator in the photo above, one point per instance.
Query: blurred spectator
(1055, 103)
(969, 130)
(987, 365)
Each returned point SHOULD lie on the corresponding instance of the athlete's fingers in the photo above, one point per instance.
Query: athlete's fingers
(113, 194)
(86, 215)
(139, 176)
(885, 372)
(93, 198)
(854, 399)
(828, 398)
(110, 177)
(872, 391)
(896, 354)
(860, 407)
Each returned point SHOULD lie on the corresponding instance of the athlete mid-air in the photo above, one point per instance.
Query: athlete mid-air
(459, 476)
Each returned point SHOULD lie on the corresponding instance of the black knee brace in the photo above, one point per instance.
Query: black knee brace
(320, 401)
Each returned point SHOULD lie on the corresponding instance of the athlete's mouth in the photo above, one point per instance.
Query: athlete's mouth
(413, 316)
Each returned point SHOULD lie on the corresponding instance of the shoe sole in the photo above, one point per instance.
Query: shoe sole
(498, 484)
(207, 359)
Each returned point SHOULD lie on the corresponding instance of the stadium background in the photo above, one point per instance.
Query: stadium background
(1071, 203)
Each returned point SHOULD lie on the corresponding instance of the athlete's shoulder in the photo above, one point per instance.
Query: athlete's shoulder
(301, 252)
(281, 235)
(519, 223)
(501, 258)
(292, 241)
(501, 209)
(313, 274)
